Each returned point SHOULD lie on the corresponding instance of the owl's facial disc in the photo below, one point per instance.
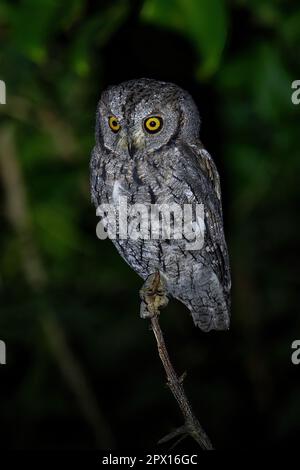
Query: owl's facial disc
(124, 142)
(139, 117)
(153, 124)
(142, 116)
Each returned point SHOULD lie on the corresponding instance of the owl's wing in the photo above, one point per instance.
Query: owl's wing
(200, 173)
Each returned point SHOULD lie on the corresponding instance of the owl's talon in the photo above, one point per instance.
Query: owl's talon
(153, 296)
(145, 311)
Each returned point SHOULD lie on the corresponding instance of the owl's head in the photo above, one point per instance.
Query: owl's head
(143, 115)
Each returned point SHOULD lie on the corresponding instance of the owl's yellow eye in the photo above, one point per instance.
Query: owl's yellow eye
(153, 124)
(114, 124)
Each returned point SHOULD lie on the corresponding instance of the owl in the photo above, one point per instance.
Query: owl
(148, 150)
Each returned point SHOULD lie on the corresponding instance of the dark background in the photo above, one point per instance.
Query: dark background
(82, 367)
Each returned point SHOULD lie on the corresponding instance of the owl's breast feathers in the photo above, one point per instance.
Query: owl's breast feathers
(184, 174)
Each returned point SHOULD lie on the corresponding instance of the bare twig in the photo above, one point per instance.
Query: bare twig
(153, 296)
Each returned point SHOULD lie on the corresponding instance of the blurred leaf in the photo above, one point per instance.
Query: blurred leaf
(290, 30)
(96, 30)
(203, 22)
(272, 83)
(58, 230)
(31, 36)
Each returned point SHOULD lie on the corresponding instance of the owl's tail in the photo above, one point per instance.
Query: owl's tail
(207, 319)
(207, 302)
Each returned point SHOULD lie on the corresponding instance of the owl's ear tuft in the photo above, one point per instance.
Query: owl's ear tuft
(190, 117)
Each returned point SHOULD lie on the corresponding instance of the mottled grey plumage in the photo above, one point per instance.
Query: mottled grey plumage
(170, 166)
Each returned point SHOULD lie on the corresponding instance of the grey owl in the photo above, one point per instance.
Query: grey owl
(148, 149)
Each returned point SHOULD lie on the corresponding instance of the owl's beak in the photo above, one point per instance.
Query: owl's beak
(131, 147)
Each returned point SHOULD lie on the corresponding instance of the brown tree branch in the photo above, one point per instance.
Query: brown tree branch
(153, 296)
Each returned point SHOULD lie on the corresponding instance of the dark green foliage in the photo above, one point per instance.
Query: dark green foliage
(238, 59)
